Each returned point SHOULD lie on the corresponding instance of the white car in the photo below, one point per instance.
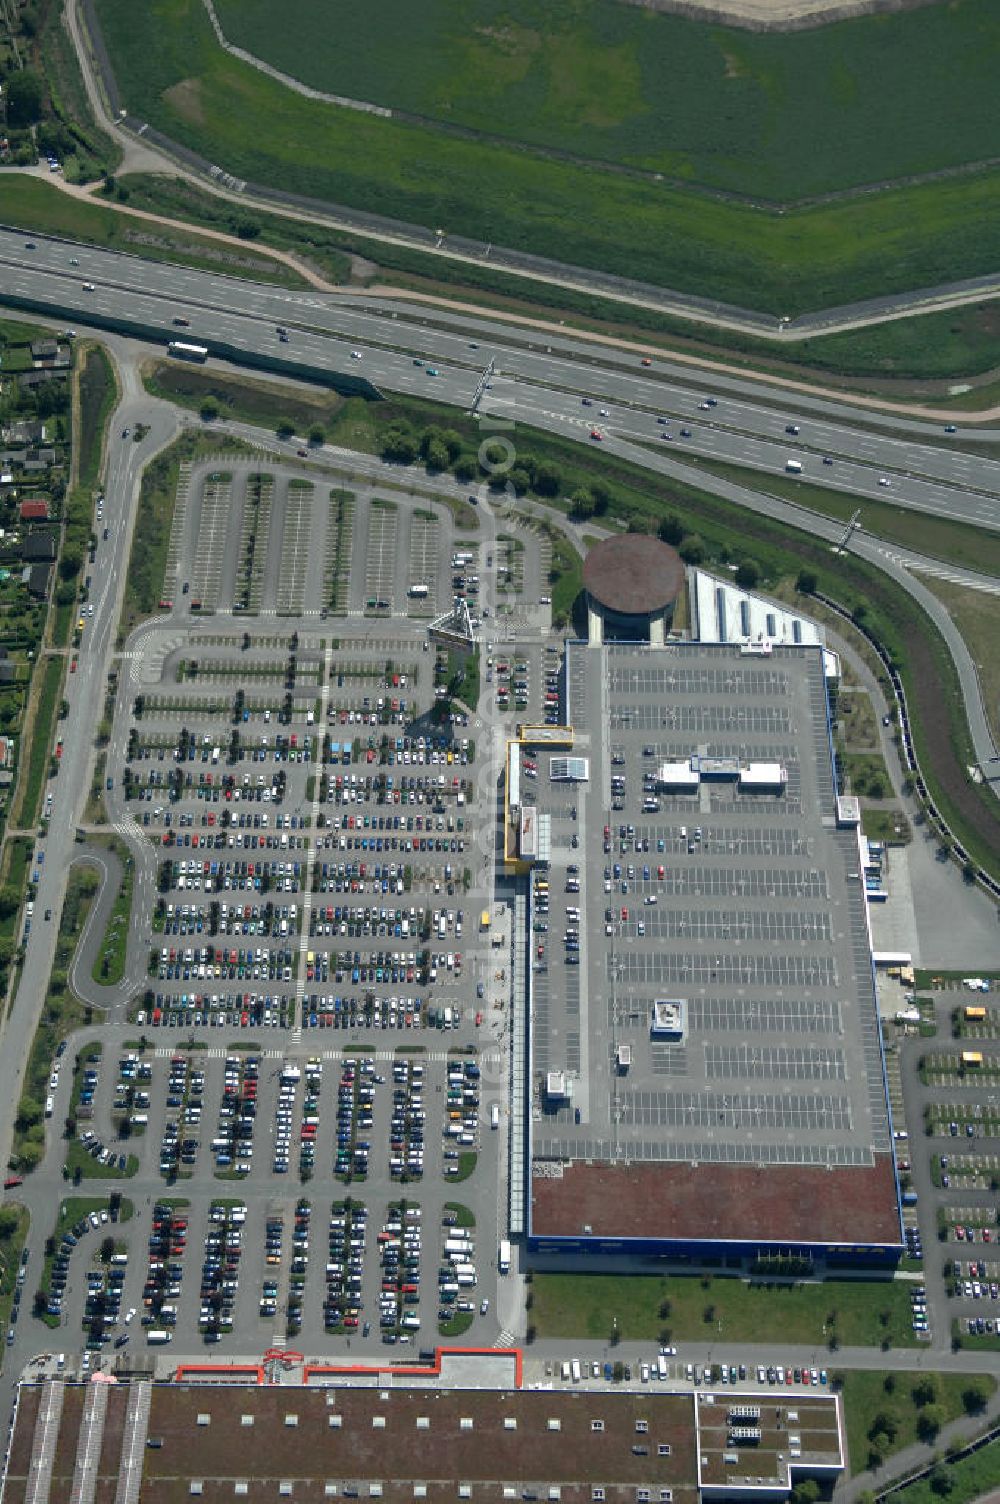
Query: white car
(355, 354)
(129, 1315)
(883, 480)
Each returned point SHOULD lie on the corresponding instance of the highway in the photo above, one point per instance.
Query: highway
(545, 379)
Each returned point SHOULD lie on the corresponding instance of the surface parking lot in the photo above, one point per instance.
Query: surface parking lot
(272, 917)
(270, 1177)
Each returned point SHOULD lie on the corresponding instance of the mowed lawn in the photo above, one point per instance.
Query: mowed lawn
(172, 72)
(860, 1312)
(775, 116)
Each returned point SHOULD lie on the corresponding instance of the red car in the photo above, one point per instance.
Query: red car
(11, 1181)
(595, 433)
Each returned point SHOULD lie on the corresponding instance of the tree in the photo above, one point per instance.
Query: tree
(747, 574)
(806, 582)
(878, 1447)
(975, 1396)
(8, 1222)
(70, 561)
(941, 1479)
(436, 455)
(285, 428)
(929, 1422)
(107, 1249)
(927, 1390)
(883, 1423)
(317, 434)
(708, 1315)
(806, 1492)
(671, 530)
(24, 99)
(29, 1112)
(399, 446)
(209, 409)
(692, 549)
(581, 504)
(466, 468)
(548, 479)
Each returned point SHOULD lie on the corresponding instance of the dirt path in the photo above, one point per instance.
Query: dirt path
(92, 193)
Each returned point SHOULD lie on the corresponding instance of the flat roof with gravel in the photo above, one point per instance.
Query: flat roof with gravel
(762, 1117)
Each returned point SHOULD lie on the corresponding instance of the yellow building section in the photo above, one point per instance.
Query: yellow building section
(518, 836)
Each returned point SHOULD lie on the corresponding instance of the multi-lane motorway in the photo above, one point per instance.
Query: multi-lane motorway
(544, 378)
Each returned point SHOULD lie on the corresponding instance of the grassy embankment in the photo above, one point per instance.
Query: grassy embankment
(783, 261)
(34, 204)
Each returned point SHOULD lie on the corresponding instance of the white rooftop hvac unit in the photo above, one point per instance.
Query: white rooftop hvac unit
(669, 1018)
(558, 1087)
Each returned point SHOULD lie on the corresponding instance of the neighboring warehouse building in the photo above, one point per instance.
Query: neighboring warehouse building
(397, 1439)
(631, 584)
(703, 1073)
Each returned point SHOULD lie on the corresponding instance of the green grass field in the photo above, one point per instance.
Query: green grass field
(175, 75)
(726, 1310)
(769, 115)
(971, 1477)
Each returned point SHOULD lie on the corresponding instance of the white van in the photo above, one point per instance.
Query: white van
(575, 1370)
(495, 1115)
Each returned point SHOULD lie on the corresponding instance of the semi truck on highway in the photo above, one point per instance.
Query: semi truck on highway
(183, 351)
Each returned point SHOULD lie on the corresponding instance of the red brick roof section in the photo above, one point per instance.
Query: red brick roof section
(776, 1203)
(633, 574)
